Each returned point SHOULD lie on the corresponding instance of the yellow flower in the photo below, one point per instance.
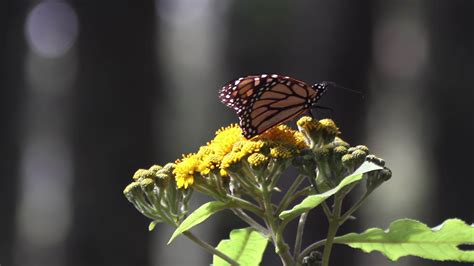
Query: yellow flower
(225, 139)
(250, 146)
(229, 147)
(284, 134)
(330, 127)
(184, 170)
(281, 151)
(257, 159)
(230, 159)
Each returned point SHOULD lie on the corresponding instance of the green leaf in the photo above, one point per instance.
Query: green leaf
(313, 201)
(409, 237)
(246, 246)
(152, 224)
(198, 216)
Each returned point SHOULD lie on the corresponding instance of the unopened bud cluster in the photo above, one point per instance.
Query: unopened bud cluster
(333, 158)
(154, 193)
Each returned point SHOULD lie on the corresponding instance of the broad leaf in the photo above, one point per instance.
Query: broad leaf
(198, 216)
(313, 201)
(409, 237)
(246, 246)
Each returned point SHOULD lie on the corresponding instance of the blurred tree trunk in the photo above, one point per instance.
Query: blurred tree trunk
(113, 131)
(451, 89)
(11, 92)
(331, 40)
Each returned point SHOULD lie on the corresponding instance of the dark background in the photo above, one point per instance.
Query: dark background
(90, 91)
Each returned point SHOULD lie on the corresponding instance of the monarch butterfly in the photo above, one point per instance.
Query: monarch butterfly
(264, 101)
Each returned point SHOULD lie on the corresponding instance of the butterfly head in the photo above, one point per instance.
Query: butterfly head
(320, 89)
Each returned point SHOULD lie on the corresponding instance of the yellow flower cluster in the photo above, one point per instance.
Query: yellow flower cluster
(229, 147)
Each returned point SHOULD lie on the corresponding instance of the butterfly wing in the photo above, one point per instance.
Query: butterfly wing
(265, 101)
(236, 93)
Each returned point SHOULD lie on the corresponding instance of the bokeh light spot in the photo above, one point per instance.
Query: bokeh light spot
(51, 28)
(400, 48)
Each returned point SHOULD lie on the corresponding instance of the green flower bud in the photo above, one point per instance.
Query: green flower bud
(163, 175)
(376, 178)
(143, 173)
(134, 193)
(162, 180)
(147, 184)
(376, 160)
(339, 151)
(131, 190)
(156, 168)
(358, 157)
(339, 142)
(313, 259)
(362, 148)
(348, 162)
(321, 153)
(329, 130)
(317, 133)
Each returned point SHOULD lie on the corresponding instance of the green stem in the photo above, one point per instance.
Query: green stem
(203, 189)
(326, 210)
(324, 205)
(210, 248)
(254, 224)
(275, 173)
(354, 208)
(288, 195)
(243, 181)
(299, 235)
(241, 203)
(333, 226)
(310, 248)
(271, 220)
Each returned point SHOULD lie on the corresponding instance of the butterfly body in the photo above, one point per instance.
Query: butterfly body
(264, 101)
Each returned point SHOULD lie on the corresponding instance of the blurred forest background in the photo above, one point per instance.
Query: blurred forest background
(90, 91)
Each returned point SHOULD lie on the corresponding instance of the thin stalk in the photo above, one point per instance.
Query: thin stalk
(210, 248)
(324, 205)
(243, 216)
(275, 173)
(326, 210)
(203, 189)
(282, 248)
(241, 203)
(299, 235)
(284, 202)
(354, 208)
(304, 192)
(246, 185)
(333, 226)
(310, 248)
(251, 177)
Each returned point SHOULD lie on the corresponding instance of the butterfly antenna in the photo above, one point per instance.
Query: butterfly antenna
(324, 108)
(335, 85)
